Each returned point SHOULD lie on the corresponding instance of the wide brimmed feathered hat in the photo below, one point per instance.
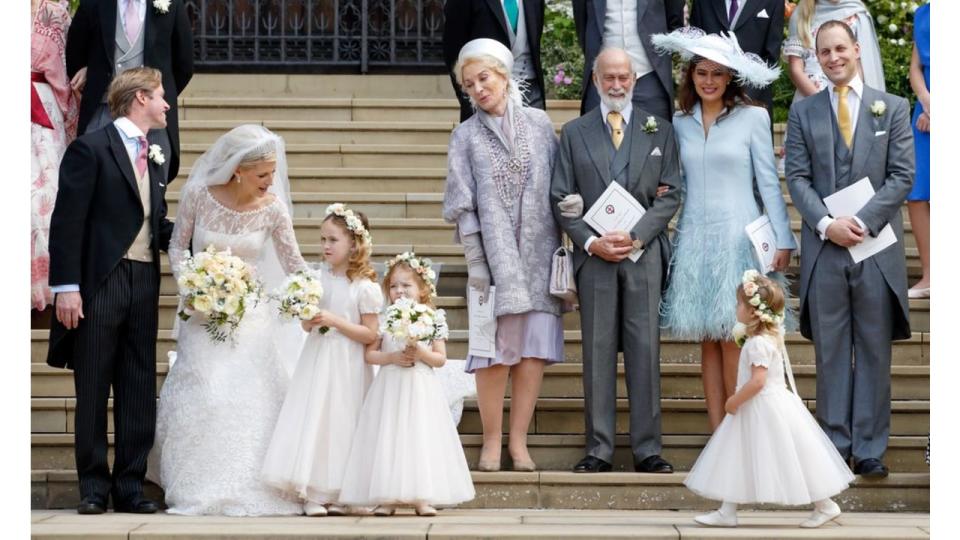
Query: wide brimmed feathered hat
(689, 42)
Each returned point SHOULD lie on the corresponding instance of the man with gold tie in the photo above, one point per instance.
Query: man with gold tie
(619, 298)
(851, 311)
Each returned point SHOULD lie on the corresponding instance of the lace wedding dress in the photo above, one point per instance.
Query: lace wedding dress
(220, 401)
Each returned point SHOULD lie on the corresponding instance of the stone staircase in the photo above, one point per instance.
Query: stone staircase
(380, 146)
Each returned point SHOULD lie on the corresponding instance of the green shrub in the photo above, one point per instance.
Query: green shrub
(561, 57)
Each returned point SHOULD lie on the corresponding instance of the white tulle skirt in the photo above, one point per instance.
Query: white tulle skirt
(771, 451)
(406, 448)
(313, 434)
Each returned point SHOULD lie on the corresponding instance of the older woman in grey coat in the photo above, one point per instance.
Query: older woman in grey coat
(497, 193)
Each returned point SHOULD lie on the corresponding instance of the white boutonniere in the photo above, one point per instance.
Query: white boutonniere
(651, 126)
(878, 108)
(156, 153)
(162, 6)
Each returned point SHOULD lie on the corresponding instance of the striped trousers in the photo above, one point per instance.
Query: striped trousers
(116, 347)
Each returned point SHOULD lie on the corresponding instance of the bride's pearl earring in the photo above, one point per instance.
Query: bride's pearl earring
(237, 178)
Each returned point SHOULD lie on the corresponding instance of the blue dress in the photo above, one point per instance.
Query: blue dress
(921, 141)
(711, 249)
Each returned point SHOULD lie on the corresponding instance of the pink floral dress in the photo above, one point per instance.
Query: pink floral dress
(48, 64)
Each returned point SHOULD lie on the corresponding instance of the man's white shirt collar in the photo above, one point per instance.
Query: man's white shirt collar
(128, 128)
(856, 84)
(625, 113)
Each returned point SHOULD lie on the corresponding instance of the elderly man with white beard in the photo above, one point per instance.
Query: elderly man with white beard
(619, 298)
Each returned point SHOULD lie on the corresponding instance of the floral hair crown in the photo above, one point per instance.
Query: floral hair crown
(420, 265)
(354, 223)
(751, 288)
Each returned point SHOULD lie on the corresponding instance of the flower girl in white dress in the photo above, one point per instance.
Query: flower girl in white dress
(769, 448)
(406, 450)
(313, 434)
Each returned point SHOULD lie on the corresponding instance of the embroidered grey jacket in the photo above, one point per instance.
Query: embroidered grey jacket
(498, 184)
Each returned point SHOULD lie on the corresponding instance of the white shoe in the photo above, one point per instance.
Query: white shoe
(336, 510)
(821, 516)
(384, 510)
(424, 509)
(314, 510)
(919, 293)
(717, 519)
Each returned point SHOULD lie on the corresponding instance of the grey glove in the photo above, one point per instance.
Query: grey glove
(571, 206)
(478, 275)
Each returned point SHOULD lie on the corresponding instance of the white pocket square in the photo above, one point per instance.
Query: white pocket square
(879, 133)
(656, 152)
(162, 184)
(763, 14)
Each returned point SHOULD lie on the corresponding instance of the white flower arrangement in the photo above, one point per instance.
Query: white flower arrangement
(299, 297)
(739, 333)
(354, 223)
(651, 126)
(155, 153)
(218, 287)
(421, 265)
(162, 6)
(878, 108)
(409, 322)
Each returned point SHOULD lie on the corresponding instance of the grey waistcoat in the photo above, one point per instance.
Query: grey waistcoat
(843, 157)
(125, 54)
(620, 157)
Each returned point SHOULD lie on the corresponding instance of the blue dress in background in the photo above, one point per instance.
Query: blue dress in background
(921, 141)
(711, 249)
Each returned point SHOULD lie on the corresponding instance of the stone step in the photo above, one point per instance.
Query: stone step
(256, 109)
(398, 205)
(346, 155)
(49, 386)
(205, 132)
(912, 352)
(899, 492)
(456, 308)
(292, 85)
(555, 416)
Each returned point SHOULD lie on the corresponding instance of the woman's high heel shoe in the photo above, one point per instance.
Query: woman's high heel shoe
(425, 510)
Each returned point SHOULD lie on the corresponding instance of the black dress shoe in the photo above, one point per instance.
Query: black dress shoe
(653, 464)
(92, 504)
(871, 468)
(137, 505)
(592, 464)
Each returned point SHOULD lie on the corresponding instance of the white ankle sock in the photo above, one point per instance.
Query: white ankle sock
(825, 505)
(728, 509)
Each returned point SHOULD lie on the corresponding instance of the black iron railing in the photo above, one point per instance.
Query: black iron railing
(317, 35)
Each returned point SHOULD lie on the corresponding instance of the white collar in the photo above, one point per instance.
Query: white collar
(625, 113)
(856, 84)
(128, 128)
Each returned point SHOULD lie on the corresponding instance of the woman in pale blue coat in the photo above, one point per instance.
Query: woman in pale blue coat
(724, 145)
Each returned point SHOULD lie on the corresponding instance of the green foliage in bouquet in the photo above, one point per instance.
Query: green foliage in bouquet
(560, 52)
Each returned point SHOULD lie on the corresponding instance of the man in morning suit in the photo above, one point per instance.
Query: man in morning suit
(628, 25)
(108, 227)
(851, 311)
(758, 26)
(518, 24)
(107, 37)
(619, 299)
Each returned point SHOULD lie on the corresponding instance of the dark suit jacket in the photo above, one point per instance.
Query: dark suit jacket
(762, 36)
(168, 46)
(472, 19)
(653, 17)
(97, 215)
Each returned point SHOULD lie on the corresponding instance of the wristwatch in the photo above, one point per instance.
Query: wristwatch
(637, 243)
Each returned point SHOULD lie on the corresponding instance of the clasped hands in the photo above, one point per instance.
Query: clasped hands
(409, 355)
(845, 231)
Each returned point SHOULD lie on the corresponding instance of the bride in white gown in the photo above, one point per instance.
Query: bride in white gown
(220, 401)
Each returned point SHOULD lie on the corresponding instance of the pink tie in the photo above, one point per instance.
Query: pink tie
(142, 156)
(131, 19)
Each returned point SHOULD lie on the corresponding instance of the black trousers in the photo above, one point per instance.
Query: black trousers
(116, 348)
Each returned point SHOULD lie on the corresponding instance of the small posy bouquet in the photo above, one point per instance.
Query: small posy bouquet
(299, 296)
(218, 286)
(739, 334)
(410, 322)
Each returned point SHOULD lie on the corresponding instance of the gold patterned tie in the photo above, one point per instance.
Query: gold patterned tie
(615, 120)
(843, 115)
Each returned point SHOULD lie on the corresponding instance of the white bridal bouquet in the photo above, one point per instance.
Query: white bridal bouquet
(299, 296)
(218, 286)
(409, 321)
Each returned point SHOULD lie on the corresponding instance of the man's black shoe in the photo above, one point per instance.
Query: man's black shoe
(871, 468)
(592, 464)
(138, 505)
(92, 504)
(653, 464)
